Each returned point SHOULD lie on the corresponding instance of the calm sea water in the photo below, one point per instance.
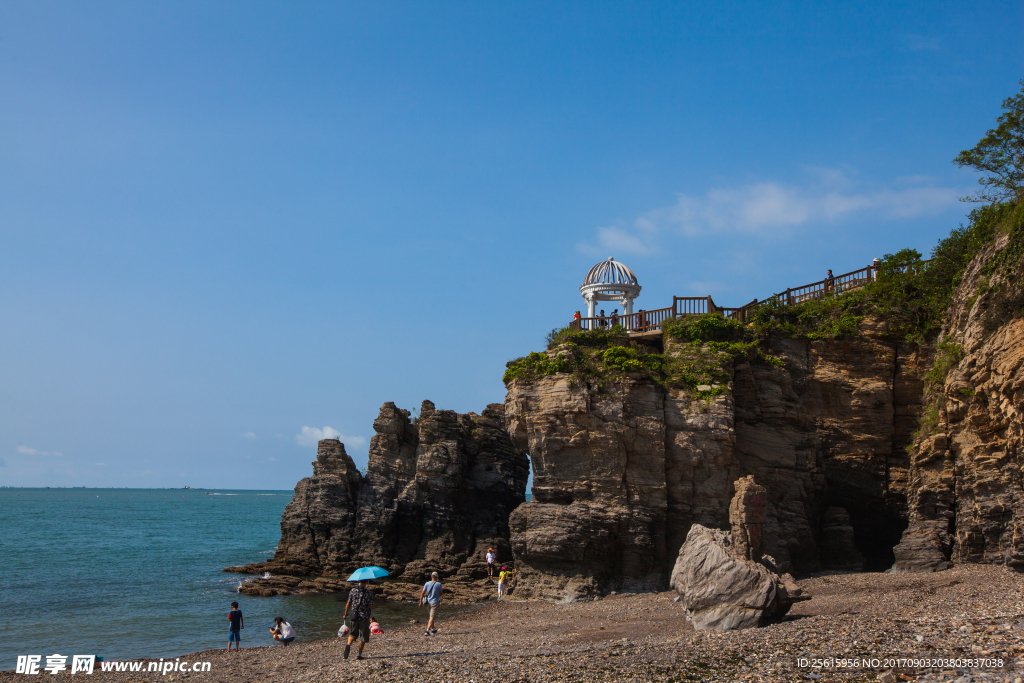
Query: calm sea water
(130, 573)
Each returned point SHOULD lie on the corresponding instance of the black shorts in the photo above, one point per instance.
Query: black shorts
(361, 630)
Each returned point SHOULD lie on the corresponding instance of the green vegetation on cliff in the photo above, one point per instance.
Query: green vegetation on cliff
(698, 351)
(587, 356)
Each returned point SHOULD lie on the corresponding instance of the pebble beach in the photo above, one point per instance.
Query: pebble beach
(962, 625)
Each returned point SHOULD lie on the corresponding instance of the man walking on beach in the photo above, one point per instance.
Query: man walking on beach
(235, 626)
(360, 601)
(432, 593)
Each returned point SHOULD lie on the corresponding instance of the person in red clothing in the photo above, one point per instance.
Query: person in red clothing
(235, 626)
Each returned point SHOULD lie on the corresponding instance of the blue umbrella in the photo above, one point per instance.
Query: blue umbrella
(368, 573)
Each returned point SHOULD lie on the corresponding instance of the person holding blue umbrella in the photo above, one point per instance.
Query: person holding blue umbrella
(360, 601)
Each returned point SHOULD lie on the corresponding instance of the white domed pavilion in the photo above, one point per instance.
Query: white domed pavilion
(610, 281)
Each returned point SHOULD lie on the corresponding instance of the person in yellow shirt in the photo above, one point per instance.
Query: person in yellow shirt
(503, 580)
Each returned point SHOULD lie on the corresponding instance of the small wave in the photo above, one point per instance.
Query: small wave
(266, 575)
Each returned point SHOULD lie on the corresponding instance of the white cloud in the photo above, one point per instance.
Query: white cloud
(26, 450)
(310, 435)
(770, 208)
(248, 435)
(620, 241)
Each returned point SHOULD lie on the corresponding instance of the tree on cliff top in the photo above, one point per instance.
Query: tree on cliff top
(1000, 156)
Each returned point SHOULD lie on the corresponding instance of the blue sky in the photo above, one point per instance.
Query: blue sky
(230, 227)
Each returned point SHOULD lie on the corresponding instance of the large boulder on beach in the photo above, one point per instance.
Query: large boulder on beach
(721, 590)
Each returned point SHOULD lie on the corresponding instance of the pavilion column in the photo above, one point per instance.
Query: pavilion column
(590, 307)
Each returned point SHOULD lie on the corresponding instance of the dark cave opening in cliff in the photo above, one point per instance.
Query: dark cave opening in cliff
(877, 525)
(875, 537)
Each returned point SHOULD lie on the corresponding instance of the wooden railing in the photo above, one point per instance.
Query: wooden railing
(646, 321)
(835, 285)
(738, 313)
(641, 321)
(692, 305)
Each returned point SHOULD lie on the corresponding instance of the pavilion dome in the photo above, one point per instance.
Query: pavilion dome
(610, 272)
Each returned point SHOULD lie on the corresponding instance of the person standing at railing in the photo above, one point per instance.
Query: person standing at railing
(615, 318)
(641, 321)
(576, 320)
(602, 322)
(829, 281)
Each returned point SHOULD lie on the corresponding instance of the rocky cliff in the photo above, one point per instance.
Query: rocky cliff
(625, 462)
(437, 493)
(966, 500)
(874, 451)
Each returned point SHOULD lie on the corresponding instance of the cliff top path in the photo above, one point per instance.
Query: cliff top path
(968, 612)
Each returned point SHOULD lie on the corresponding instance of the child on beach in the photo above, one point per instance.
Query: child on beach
(235, 626)
(282, 631)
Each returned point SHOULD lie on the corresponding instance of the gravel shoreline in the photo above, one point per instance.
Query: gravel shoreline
(972, 613)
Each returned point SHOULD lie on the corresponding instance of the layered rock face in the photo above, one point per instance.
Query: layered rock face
(623, 472)
(615, 473)
(437, 493)
(966, 496)
(830, 430)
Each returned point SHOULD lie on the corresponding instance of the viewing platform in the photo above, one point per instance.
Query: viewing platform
(613, 281)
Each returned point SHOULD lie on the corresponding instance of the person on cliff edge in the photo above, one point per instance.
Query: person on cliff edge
(360, 601)
(432, 592)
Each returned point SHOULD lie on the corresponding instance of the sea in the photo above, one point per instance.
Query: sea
(136, 573)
